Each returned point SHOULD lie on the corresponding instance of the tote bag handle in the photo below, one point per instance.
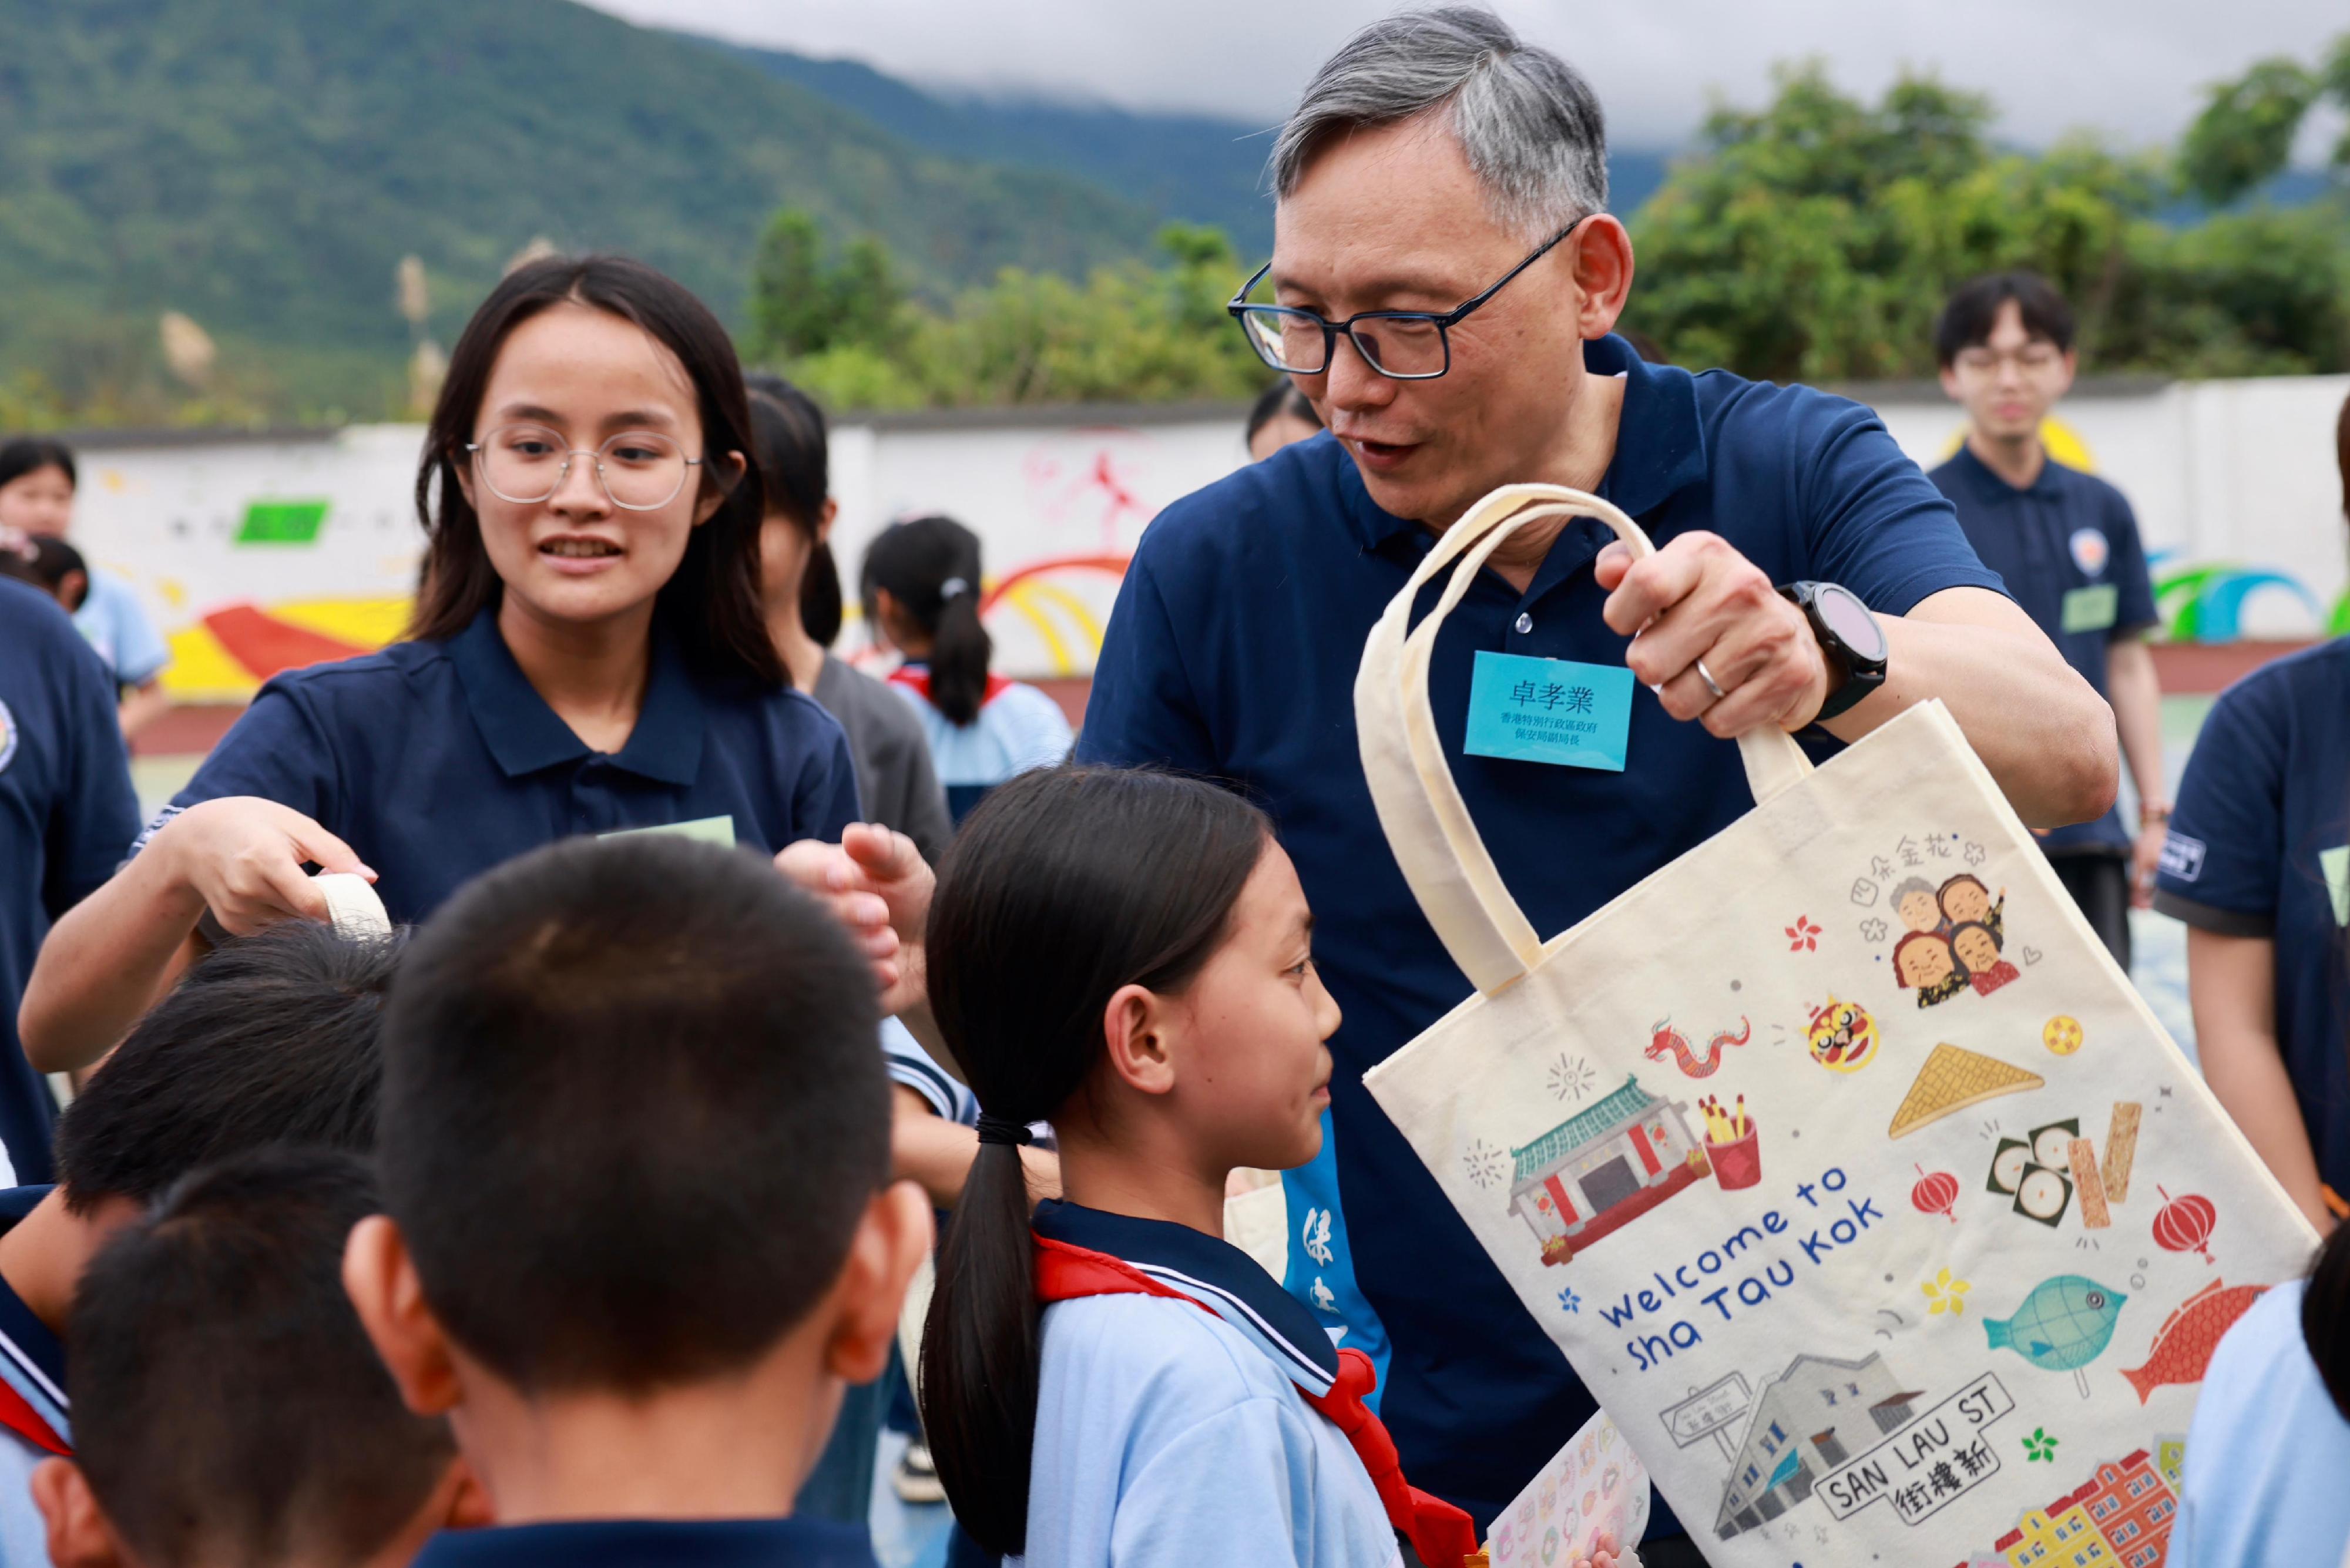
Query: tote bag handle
(1427, 823)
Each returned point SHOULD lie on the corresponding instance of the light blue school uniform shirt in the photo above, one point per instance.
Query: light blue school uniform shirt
(1016, 728)
(2268, 1458)
(111, 620)
(1169, 1437)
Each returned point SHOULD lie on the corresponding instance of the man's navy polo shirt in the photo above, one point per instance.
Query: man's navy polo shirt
(654, 1544)
(436, 761)
(67, 817)
(1232, 652)
(2260, 846)
(2066, 532)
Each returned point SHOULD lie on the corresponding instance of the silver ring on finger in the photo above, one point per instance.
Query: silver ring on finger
(1710, 683)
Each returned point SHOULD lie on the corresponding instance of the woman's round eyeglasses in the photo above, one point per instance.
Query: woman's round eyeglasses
(640, 471)
(1402, 345)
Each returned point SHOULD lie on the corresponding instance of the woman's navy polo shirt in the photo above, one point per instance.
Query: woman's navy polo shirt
(67, 817)
(2260, 846)
(436, 761)
(1232, 652)
(2068, 539)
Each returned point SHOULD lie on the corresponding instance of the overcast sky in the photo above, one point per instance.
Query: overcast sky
(2132, 69)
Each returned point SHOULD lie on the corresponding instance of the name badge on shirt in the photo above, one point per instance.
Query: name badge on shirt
(2092, 609)
(1549, 710)
(718, 830)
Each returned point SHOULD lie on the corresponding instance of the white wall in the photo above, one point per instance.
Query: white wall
(2233, 473)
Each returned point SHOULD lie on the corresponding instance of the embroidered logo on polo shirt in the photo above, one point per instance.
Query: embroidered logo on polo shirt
(2090, 551)
(7, 736)
(2182, 857)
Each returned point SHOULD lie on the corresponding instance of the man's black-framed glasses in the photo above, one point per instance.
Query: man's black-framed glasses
(1402, 345)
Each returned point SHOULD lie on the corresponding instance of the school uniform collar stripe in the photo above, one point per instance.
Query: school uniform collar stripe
(1215, 1273)
(524, 735)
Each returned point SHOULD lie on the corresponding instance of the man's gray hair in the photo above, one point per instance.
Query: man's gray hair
(1528, 121)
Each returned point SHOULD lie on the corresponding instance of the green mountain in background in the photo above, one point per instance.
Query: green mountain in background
(1189, 168)
(262, 167)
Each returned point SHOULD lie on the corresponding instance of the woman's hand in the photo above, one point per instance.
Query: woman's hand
(877, 884)
(1603, 1555)
(243, 858)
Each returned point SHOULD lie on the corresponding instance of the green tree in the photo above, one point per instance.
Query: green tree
(2246, 131)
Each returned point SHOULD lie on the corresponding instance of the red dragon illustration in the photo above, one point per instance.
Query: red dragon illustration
(1664, 1038)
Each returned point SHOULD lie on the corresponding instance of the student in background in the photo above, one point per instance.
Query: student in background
(271, 1041)
(49, 563)
(896, 784)
(633, 1262)
(1127, 955)
(589, 654)
(2256, 865)
(2066, 544)
(1280, 417)
(67, 817)
(232, 1409)
(2270, 1443)
(38, 480)
(922, 588)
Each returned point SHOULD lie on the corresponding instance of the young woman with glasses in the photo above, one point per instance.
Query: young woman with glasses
(588, 654)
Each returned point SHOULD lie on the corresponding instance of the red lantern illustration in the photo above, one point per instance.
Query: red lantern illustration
(1936, 1194)
(2184, 1225)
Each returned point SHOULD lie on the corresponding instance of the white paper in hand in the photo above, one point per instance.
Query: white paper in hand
(352, 906)
(1593, 1487)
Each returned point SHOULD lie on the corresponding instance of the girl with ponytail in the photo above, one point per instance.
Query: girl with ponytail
(923, 597)
(1127, 956)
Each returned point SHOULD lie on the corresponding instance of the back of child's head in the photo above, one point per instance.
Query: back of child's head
(930, 566)
(1064, 886)
(793, 449)
(227, 1407)
(49, 563)
(633, 1113)
(275, 1038)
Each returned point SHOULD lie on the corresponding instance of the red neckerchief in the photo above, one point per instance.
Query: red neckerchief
(22, 1420)
(1440, 1534)
(916, 678)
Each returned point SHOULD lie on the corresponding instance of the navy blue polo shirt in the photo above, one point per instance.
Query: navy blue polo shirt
(1232, 652)
(2260, 846)
(2067, 547)
(66, 818)
(654, 1544)
(436, 761)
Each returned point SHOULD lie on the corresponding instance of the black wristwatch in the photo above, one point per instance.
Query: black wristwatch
(1848, 634)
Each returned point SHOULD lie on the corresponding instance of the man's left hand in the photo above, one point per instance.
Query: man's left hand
(1697, 600)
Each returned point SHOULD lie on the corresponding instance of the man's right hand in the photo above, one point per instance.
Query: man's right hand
(243, 858)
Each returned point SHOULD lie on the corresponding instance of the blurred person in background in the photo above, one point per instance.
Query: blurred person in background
(1280, 417)
(37, 481)
(49, 563)
(2066, 544)
(922, 591)
(2257, 863)
(897, 785)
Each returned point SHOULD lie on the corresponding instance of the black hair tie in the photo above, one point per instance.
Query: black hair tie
(994, 1129)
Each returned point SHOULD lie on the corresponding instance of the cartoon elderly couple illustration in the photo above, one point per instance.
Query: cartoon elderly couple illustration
(1954, 939)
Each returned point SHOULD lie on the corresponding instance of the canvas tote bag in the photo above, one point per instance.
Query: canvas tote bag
(1839, 1159)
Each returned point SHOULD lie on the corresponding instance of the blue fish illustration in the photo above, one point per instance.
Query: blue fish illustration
(2065, 1322)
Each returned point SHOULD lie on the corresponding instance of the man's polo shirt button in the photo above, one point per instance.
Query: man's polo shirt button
(1525, 624)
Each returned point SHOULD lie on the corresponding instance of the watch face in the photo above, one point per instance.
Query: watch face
(1849, 619)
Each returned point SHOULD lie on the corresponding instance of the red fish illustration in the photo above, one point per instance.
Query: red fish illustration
(1664, 1039)
(2184, 1343)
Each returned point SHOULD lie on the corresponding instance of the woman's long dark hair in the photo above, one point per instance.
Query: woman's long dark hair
(792, 448)
(712, 600)
(1064, 885)
(930, 566)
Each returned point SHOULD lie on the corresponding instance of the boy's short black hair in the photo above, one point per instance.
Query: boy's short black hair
(1972, 310)
(227, 1405)
(272, 1038)
(634, 1107)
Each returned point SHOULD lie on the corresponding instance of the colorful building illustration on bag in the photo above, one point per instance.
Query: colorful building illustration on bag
(1602, 1168)
(2121, 1518)
(1808, 1420)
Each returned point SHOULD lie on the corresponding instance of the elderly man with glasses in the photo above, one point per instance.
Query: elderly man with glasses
(1443, 285)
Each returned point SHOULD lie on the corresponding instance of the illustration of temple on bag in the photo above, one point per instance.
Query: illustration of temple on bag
(1602, 1168)
(1808, 1420)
